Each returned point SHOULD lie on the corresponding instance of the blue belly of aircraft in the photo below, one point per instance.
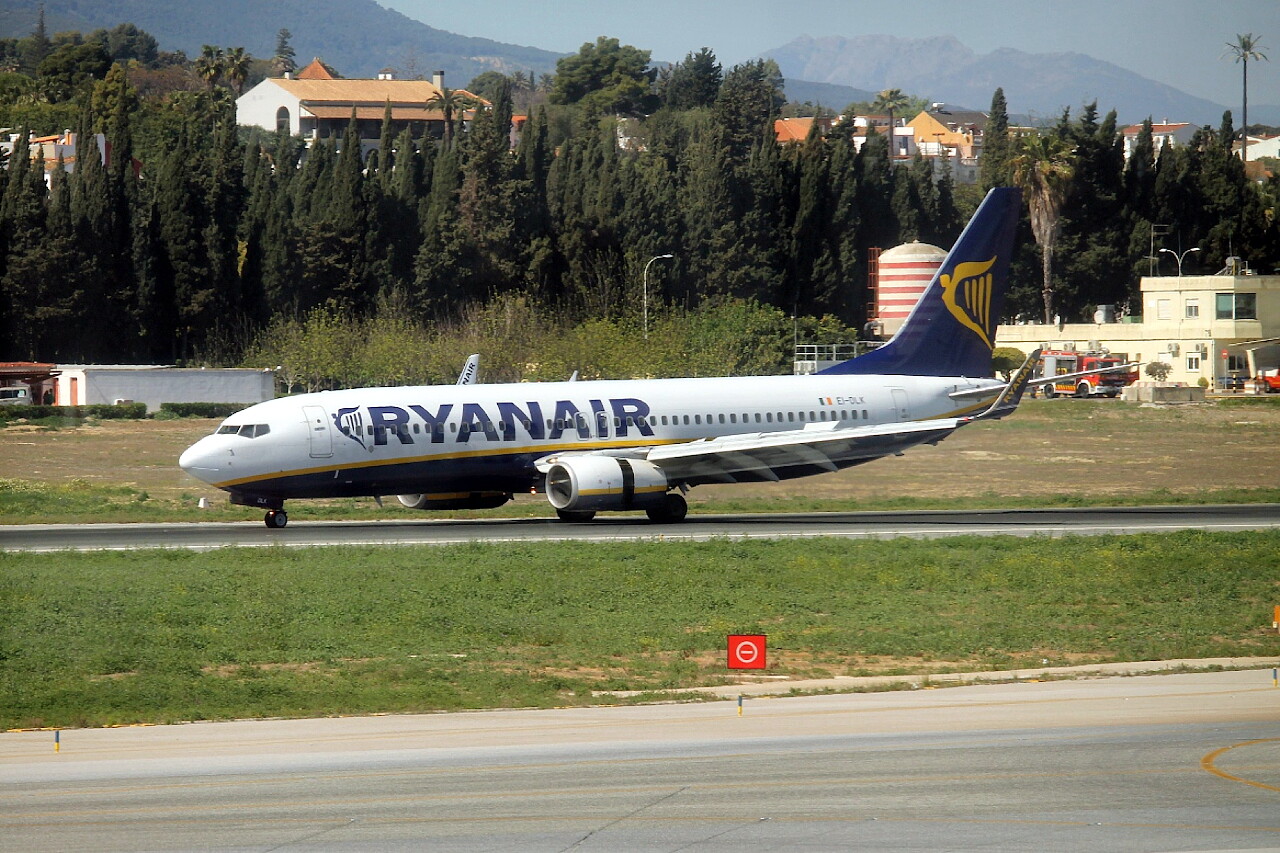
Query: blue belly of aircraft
(506, 472)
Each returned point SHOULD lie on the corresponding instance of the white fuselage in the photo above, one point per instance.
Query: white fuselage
(378, 441)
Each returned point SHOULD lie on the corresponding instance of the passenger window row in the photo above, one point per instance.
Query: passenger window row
(582, 422)
(769, 417)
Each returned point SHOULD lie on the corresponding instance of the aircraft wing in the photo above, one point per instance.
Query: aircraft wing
(768, 457)
(778, 456)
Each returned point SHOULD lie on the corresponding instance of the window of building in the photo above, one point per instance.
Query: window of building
(1164, 309)
(1237, 306)
(282, 120)
(1192, 309)
(1193, 364)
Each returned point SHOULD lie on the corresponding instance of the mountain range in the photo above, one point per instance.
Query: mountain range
(360, 38)
(1038, 85)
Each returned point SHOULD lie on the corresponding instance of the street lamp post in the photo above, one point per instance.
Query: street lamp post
(646, 290)
(1180, 256)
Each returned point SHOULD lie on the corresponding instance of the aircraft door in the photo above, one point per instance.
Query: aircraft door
(901, 407)
(318, 433)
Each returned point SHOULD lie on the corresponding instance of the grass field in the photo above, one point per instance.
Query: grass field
(91, 639)
(1059, 452)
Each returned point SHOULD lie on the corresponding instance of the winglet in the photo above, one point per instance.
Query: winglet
(1011, 396)
(470, 370)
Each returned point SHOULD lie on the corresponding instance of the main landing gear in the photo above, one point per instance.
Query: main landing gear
(276, 518)
(673, 509)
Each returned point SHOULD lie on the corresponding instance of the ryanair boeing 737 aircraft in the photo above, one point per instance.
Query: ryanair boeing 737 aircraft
(636, 444)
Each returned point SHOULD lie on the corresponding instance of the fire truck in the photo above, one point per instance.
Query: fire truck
(1267, 382)
(1090, 363)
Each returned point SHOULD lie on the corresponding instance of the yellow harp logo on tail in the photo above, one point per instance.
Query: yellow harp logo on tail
(967, 295)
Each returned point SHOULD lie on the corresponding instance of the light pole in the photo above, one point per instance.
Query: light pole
(646, 290)
(1180, 257)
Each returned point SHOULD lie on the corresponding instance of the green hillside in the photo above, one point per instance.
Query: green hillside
(357, 37)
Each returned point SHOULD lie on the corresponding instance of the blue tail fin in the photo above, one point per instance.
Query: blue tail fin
(952, 329)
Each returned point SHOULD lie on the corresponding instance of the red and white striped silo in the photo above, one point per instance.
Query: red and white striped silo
(902, 276)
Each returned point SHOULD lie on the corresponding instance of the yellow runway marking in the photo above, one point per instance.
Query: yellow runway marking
(1208, 763)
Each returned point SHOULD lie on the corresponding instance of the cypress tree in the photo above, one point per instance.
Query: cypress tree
(220, 215)
(709, 225)
(810, 259)
(95, 273)
(183, 267)
(997, 147)
(485, 199)
(122, 204)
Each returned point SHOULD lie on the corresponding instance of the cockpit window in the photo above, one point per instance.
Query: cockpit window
(245, 430)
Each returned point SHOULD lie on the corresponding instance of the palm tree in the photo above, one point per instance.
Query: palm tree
(1043, 170)
(890, 101)
(236, 67)
(210, 64)
(449, 101)
(1245, 47)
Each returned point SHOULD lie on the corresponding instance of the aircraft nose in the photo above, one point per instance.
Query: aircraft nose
(199, 460)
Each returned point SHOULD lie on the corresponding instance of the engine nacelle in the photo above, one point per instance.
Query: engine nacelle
(455, 500)
(588, 483)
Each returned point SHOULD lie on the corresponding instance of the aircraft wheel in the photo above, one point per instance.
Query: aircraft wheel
(672, 511)
(576, 514)
(276, 518)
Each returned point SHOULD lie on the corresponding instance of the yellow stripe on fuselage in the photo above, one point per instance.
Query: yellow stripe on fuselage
(541, 450)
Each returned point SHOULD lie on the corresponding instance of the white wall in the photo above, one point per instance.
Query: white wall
(257, 107)
(157, 385)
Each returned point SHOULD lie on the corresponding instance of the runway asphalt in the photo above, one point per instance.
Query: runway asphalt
(1185, 761)
(424, 530)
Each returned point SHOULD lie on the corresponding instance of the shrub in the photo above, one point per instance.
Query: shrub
(203, 410)
(124, 411)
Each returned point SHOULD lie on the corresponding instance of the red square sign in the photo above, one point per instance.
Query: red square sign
(747, 651)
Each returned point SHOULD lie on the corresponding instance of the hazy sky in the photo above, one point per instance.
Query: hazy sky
(1178, 42)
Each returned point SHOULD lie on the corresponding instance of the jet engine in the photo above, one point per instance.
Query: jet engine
(589, 483)
(455, 500)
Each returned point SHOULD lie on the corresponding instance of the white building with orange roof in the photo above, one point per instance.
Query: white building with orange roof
(942, 133)
(58, 148)
(790, 131)
(317, 104)
(1166, 132)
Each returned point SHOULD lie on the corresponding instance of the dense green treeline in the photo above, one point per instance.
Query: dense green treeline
(200, 241)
